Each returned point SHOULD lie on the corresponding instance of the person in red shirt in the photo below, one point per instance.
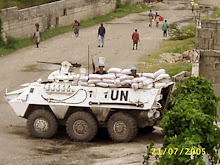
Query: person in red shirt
(135, 38)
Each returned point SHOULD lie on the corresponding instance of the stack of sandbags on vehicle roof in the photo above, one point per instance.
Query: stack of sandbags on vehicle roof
(109, 80)
(83, 81)
(94, 79)
(161, 78)
(142, 83)
(75, 80)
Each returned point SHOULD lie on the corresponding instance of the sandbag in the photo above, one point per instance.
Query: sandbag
(91, 85)
(159, 72)
(125, 77)
(126, 82)
(139, 79)
(140, 85)
(113, 85)
(148, 81)
(114, 70)
(134, 85)
(75, 77)
(108, 76)
(117, 81)
(164, 81)
(126, 71)
(118, 75)
(94, 81)
(109, 81)
(102, 84)
(95, 76)
(148, 86)
(162, 76)
(82, 83)
(74, 83)
(84, 78)
(159, 85)
(148, 75)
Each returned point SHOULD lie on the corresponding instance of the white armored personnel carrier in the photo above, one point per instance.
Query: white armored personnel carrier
(62, 100)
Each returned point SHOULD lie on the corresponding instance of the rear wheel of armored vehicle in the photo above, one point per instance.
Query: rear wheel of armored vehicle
(81, 126)
(122, 127)
(42, 124)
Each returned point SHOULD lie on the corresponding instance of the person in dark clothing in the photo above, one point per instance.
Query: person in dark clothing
(101, 69)
(76, 28)
(133, 72)
(165, 28)
(101, 35)
(135, 38)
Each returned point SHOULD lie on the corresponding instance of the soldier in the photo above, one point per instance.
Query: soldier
(134, 72)
(101, 69)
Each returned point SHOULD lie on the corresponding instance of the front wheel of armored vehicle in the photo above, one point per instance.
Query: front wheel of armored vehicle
(42, 124)
(81, 126)
(122, 127)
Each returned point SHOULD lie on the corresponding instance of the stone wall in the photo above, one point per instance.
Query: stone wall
(21, 23)
(208, 47)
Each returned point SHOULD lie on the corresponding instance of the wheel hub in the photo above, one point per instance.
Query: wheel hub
(41, 125)
(80, 127)
(119, 128)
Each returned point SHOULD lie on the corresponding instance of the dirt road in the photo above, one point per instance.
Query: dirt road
(21, 67)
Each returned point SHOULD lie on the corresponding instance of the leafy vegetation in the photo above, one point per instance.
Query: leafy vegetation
(190, 124)
(150, 62)
(181, 40)
(23, 3)
(185, 32)
(117, 13)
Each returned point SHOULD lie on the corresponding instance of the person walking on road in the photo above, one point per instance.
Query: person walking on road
(165, 28)
(157, 16)
(76, 28)
(151, 17)
(101, 35)
(37, 35)
(135, 38)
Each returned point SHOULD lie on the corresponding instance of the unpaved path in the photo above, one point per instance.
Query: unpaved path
(16, 147)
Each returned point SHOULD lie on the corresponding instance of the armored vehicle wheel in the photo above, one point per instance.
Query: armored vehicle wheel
(122, 127)
(42, 124)
(81, 126)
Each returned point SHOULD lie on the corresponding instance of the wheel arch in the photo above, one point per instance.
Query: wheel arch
(33, 107)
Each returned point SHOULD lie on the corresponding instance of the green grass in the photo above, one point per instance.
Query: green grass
(23, 3)
(216, 14)
(151, 62)
(117, 13)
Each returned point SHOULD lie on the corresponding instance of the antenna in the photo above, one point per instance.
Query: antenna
(88, 60)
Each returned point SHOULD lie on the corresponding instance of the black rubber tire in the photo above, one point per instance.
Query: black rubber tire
(45, 117)
(129, 122)
(86, 122)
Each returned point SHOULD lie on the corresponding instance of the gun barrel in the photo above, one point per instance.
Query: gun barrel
(44, 62)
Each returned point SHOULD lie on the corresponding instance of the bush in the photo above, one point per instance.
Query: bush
(118, 4)
(10, 44)
(190, 122)
(185, 32)
(1, 39)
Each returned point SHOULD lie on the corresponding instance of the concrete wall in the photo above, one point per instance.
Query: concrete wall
(208, 46)
(21, 23)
